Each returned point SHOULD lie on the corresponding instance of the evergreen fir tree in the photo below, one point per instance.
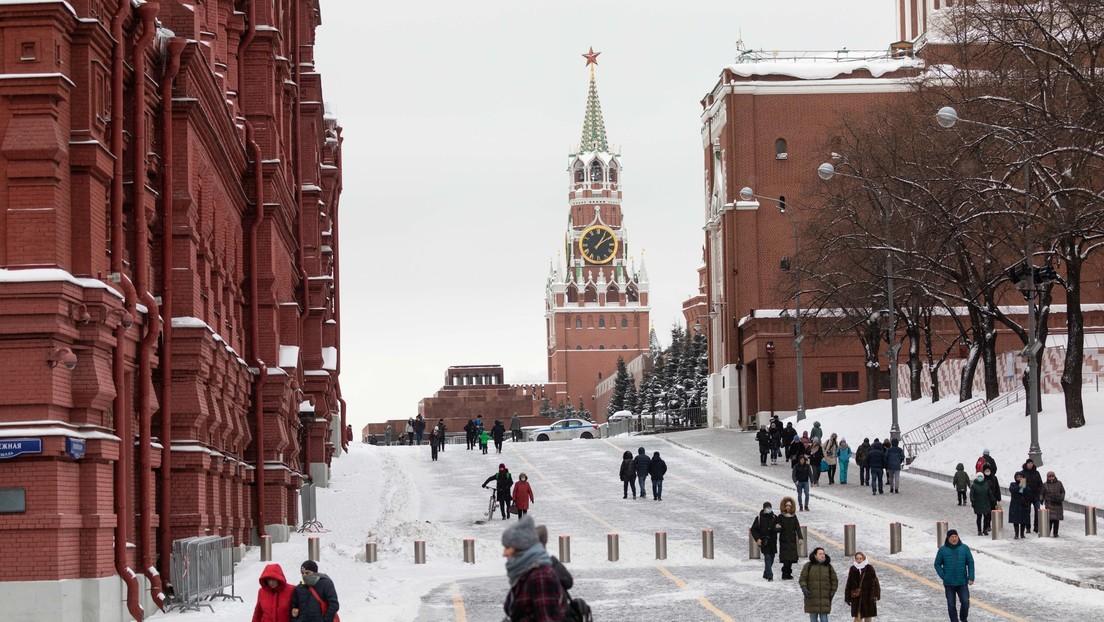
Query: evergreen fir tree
(568, 411)
(701, 369)
(620, 386)
(645, 398)
(631, 401)
(582, 412)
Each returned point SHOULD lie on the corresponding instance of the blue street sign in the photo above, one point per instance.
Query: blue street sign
(12, 447)
(75, 448)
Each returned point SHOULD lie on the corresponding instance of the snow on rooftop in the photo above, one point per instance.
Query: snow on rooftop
(289, 356)
(329, 358)
(47, 275)
(814, 68)
(306, 407)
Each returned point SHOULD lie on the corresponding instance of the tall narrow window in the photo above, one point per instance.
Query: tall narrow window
(578, 322)
(579, 172)
(596, 172)
(781, 151)
(601, 322)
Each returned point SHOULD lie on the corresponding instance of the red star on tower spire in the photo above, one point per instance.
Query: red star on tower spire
(591, 57)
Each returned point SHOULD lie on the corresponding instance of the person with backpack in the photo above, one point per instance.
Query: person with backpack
(503, 483)
(766, 536)
(628, 474)
(274, 596)
(315, 598)
(657, 468)
(536, 594)
(819, 583)
(642, 463)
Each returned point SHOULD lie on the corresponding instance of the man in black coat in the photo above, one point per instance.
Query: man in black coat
(419, 429)
(315, 598)
(775, 430)
(643, 464)
(504, 483)
(1035, 483)
(763, 438)
(788, 434)
(876, 462)
(469, 434)
(766, 536)
(657, 468)
(498, 433)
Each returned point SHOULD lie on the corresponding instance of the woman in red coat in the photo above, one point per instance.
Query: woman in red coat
(273, 597)
(523, 494)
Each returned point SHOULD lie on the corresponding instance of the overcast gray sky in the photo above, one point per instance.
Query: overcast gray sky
(458, 119)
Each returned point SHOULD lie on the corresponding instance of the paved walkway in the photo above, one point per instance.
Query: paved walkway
(1072, 558)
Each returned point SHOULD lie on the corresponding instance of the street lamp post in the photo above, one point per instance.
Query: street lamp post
(947, 117)
(826, 172)
(746, 194)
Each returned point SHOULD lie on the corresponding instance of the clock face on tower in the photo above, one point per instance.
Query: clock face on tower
(598, 244)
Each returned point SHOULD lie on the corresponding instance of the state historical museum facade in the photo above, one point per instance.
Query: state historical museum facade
(169, 303)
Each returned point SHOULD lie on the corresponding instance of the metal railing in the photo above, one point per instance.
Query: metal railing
(942, 427)
(201, 569)
(668, 421)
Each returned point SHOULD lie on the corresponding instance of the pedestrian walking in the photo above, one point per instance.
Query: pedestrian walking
(1054, 495)
(433, 444)
(515, 428)
(788, 528)
(657, 468)
(844, 460)
(469, 434)
(274, 596)
(831, 456)
(409, 431)
(981, 501)
(766, 536)
(1020, 500)
(763, 438)
(419, 429)
(886, 446)
(802, 475)
(816, 461)
(775, 431)
(642, 464)
(961, 483)
(860, 461)
(522, 495)
(315, 598)
(536, 594)
(498, 433)
(1035, 482)
(994, 488)
(806, 441)
(954, 563)
(895, 459)
(985, 460)
(862, 591)
(484, 441)
(628, 474)
(795, 450)
(818, 583)
(388, 435)
(789, 433)
(504, 482)
(441, 434)
(816, 433)
(875, 464)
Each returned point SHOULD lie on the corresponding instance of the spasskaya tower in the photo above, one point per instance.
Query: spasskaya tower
(596, 304)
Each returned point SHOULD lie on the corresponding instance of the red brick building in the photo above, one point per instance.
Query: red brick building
(169, 306)
(596, 305)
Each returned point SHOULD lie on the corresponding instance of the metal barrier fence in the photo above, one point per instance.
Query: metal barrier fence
(667, 421)
(942, 427)
(202, 569)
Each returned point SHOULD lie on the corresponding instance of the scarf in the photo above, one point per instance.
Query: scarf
(859, 566)
(524, 561)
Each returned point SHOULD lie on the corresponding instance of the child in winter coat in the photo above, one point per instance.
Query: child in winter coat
(961, 482)
(274, 596)
(484, 438)
(523, 494)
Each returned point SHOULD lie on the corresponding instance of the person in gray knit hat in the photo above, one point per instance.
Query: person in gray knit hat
(535, 590)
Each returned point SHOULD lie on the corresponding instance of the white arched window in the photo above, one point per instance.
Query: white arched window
(781, 150)
(578, 172)
(613, 173)
(596, 172)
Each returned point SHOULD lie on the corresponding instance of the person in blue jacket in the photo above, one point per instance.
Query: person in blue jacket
(876, 461)
(955, 566)
(643, 464)
(895, 459)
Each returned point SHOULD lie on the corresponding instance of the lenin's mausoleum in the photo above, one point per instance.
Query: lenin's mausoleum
(169, 303)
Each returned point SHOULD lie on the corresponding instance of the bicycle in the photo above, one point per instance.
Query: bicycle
(492, 507)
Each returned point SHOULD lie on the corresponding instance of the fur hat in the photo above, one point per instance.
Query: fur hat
(521, 535)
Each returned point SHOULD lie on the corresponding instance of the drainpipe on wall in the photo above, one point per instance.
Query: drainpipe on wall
(121, 415)
(172, 67)
(147, 13)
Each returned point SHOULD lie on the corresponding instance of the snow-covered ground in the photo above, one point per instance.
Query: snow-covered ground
(872, 419)
(1073, 455)
(395, 495)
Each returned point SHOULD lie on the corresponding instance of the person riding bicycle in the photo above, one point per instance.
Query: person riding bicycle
(504, 482)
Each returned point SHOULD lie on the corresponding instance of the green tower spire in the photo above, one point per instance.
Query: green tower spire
(594, 127)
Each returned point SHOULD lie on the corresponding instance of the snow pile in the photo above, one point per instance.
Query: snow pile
(289, 356)
(872, 419)
(1073, 455)
(823, 69)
